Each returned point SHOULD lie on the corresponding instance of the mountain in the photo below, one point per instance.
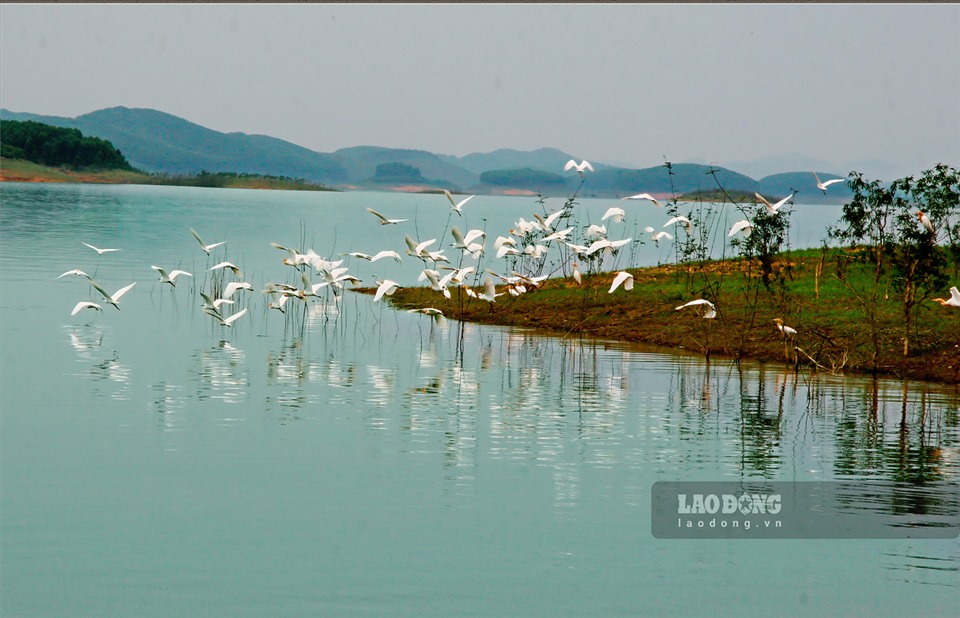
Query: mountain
(360, 164)
(155, 141)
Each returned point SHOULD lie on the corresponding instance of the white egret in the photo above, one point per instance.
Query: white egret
(623, 277)
(75, 271)
(100, 251)
(773, 208)
(385, 288)
(205, 247)
(925, 221)
(606, 245)
(536, 251)
(504, 240)
(595, 231)
(462, 241)
(576, 274)
(547, 223)
(617, 214)
(383, 219)
(114, 298)
(679, 219)
(660, 236)
(434, 313)
(230, 320)
(580, 167)
(953, 301)
(742, 225)
(85, 304)
(233, 286)
(709, 313)
(209, 304)
(229, 265)
(455, 205)
(170, 277)
(578, 249)
(644, 196)
(507, 250)
(785, 330)
(558, 235)
(489, 293)
(823, 185)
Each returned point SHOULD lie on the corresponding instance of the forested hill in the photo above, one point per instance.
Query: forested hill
(57, 146)
(158, 142)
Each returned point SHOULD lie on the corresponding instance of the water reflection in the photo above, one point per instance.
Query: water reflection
(221, 373)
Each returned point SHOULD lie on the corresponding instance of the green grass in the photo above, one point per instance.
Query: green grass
(835, 332)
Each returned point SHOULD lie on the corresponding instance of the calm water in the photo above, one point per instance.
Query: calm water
(354, 460)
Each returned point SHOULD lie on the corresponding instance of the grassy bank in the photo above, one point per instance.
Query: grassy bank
(838, 331)
(19, 170)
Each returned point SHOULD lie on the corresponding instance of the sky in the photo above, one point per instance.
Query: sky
(759, 88)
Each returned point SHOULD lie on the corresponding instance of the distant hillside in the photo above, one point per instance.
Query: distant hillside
(51, 145)
(804, 185)
(545, 159)
(360, 164)
(158, 142)
(686, 178)
(154, 141)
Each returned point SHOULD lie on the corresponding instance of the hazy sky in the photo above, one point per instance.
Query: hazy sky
(876, 87)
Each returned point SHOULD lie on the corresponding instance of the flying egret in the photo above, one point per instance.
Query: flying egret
(595, 231)
(229, 265)
(622, 277)
(210, 304)
(170, 277)
(772, 208)
(100, 251)
(658, 236)
(953, 301)
(75, 271)
(580, 167)
(205, 247)
(462, 241)
(644, 196)
(233, 286)
(385, 288)
(547, 223)
(504, 240)
(709, 313)
(383, 219)
(434, 313)
(230, 320)
(489, 293)
(679, 219)
(925, 221)
(617, 214)
(115, 297)
(436, 283)
(606, 245)
(744, 225)
(455, 205)
(785, 330)
(823, 185)
(85, 304)
(377, 256)
(507, 250)
(558, 235)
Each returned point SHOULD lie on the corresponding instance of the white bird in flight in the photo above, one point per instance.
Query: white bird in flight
(622, 277)
(229, 265)
(206, 248)
(772, 208)
(75, 271)
(580, 167)
(230, 320)
(953, 301)
(434, 313)
(233, 286)
(823, 185)
(489, 293)
(377, 256)
(455, 205)
(679, 219)
(115, 297)
(617, 214)
(644, 196)
(744, 225)
(100, 251)
(384, 220)
(709, 313)
(170, 277)
(385, 288)
(85, 304)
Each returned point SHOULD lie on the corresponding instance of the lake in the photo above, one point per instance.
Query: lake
(343, 458)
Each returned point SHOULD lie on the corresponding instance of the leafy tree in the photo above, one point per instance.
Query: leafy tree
(397, 171)
(49, 145)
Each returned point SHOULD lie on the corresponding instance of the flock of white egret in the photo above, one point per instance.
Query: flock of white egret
(527, 244)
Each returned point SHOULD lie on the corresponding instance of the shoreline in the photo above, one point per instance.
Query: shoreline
(830, 338)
